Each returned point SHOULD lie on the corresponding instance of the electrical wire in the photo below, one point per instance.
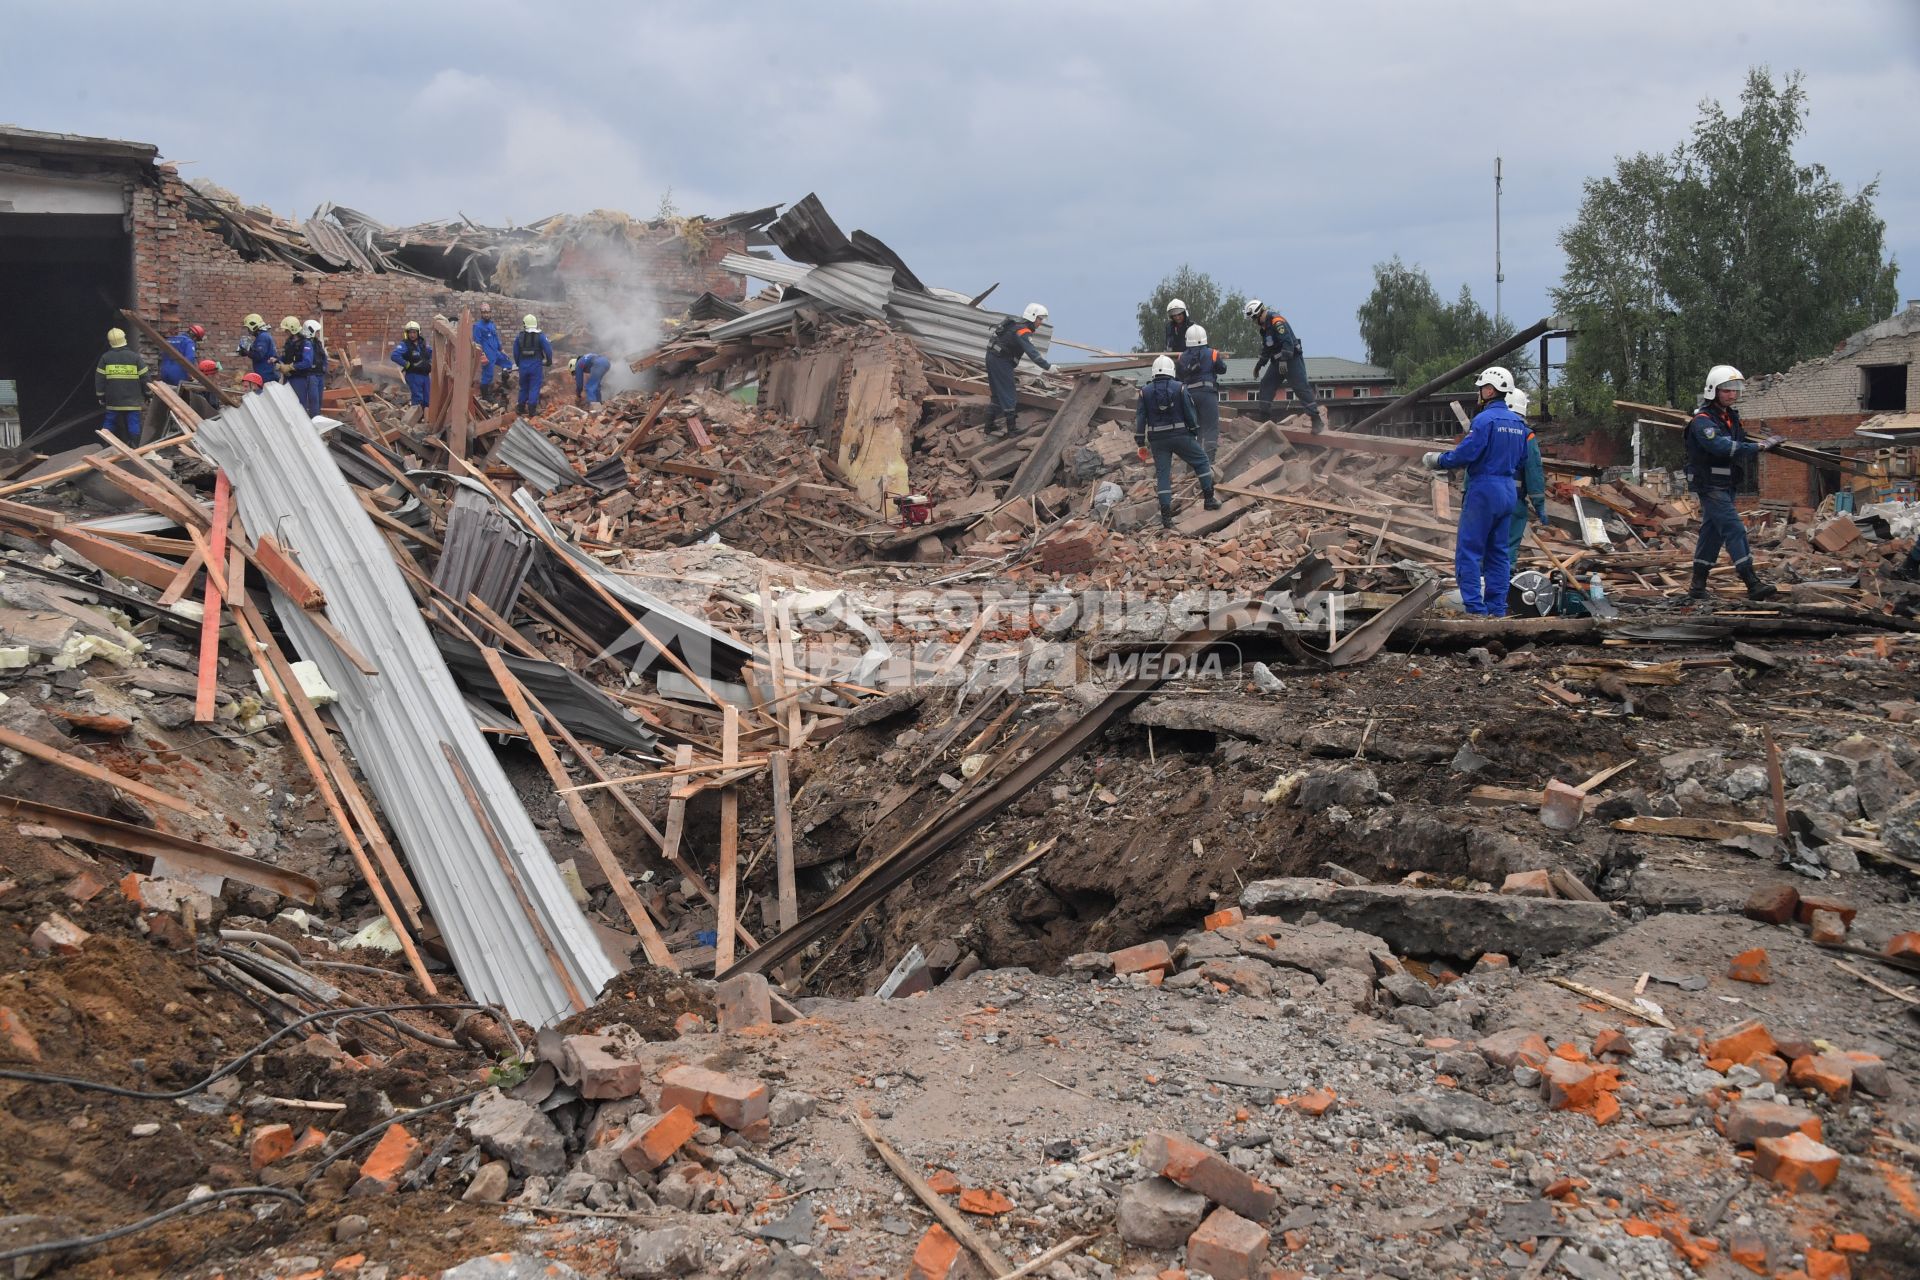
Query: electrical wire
(74, 1082)
(367, 1135)
(133, 1228)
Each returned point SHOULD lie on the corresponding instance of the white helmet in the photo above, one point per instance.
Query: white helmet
(1034, 313)
(1163, 367)
(1723, 377)
(531, 323)
(1196, 336)
(1176, 305)
(1496, 377)
(311, 328)
(1253, 308)
(1519, 401)
(573, 364)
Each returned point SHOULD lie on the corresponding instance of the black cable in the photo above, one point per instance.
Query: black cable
(367, 1135)
(132, 1228)
(73, 1082)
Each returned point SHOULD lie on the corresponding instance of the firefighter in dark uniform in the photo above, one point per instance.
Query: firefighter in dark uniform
(1717, 445)
(1013, 339)
(1177, 326)
(1281, 352)
(1165, 427)
(1199, 369)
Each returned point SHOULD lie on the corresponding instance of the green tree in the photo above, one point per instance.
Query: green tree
(1220, 313)
(1415, 336)
(1728, 250)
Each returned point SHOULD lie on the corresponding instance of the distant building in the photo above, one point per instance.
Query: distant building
(1822, 402)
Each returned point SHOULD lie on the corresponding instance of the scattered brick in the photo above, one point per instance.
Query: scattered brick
(389, 1159)
(1492, 960)
(1227, 1246)
(15, 1040)
(654, 1143)
(1567, 1086)
(1773, 903)
(58, 936)
(744, 1002)
(1772, 1068)
(602, 1068)
(1316, 1103)
(1869, 1073)
(943, 1182)
(1829, 928)
(1828, 1073)
(310, 1141)
(1804, 912)
(983, 1201)
(1741, 1042)
(1527, 884)
(1746, 1122)
(269, 1143)
(936, 1256)
(1751, 966)
(1148, 957)
(1230, 916)
(84, 887)
(1851, 1242)
(1825, 1264)
(1796, 1162)
(1904, 944)
(1605, 1108)
(1794, 1047)
(164, 930)
(1514, 1046)
(1749, 1249)
(734, 1102)
(1612, 1041)
(688, 1024)
(1198, 1169)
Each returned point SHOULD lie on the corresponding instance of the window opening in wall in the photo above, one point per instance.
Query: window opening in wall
(1884, 388)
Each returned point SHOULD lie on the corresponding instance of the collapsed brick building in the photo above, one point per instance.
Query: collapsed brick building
(90, 225)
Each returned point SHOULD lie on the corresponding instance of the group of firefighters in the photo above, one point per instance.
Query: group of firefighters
(121, 375)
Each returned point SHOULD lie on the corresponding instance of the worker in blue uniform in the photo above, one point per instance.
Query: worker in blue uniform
(1177, 326)
(258, 347)
(1199, 369)
(1012, 339)
(296, 360)
(1717, 445)
(493, 356)
(532, 357)
(317, 376)
(1493, 453)
(1281, 349)
(183, 350)
(587, 372)
(1531, 483)
(1165, 426)
(415, 359)
(120, 380)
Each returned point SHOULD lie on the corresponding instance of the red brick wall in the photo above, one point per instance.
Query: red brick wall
(1783, 479)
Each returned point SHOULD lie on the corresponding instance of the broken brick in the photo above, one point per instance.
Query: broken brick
(602, 1068)
(734, 1102)
(1561, 808)
(744, 1002)
(1828, 1073)
(1316, 1103)
(1804, 912)
(1742, 1042)
(1567, 1086)
(1746, 1122)
(1750, 966)
(689, 1024)
(1829, 928)
(312, 1140)
(1612, 1040)
(15, 1040)
(58, 936)
(1749, 1249)
(656, 1140)
(943, 1182)
(987, 1203)
(1198, 1169)
(1772, 1068)
(1227, 1246)
(1904, 944)
(1492, 960)
(1527, 884)
(1825, 1264)
(83, 888)
(1223, 919)
(1851, 1242)
(936, 1256)
(1144, 958)
(389, 1159)
(1514, 1046)
(1773, 903)
(269, 1143)
(1796, 1162)
(1605, 1108)
(1869, 1073)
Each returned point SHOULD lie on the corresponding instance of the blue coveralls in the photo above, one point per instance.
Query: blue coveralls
(486, 336)
(120, 384)
(1165, 422)
(587, 372)
(1013, 339)
(265, 356)
(172, 372)
(1532, 492)
(317, 383)
(415, 358)
(1176, 335)
(1493, 453)
(532, 356)
(297, 357)
(1200, 369)
(1280, 345)
(1716, 446)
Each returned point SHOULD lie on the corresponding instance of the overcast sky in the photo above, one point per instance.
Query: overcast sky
(1073, 152)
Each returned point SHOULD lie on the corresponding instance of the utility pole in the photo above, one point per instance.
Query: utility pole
(1499, 275)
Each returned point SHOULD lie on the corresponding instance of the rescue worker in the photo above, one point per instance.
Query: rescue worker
(1011, 340)
(296, 362)
(1165, 426)
(259, 348)
(1493, 453)
(532, 357)
(493, 356)
(1200, 367)
(317, 380)
(1716, 446)
(1281, 349)
(587, 371)
(182, 350)
(120, 380)
(1177, 324)
(415, 359)
(1531, 484)
(253, 383)
(198, 398)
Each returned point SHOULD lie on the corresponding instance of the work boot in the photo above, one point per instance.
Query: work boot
(1756, 589)
(1208, 500)
(1697, 590)
(1166, 515)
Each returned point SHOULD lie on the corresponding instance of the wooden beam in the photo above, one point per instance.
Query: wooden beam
(85, 465)
(178, 587)
(118, 560)
(87, 769)
(279, 565)
(729, 842)
(789, 898)
(1693, 828)
(209, 670)
(949, 1216)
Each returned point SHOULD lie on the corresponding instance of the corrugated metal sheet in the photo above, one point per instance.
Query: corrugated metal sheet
(285, 481)
(768, 318)
(582, 707)
(768, 269)
(528, 451)
(859, 287)
(951, 329)
(485, 552)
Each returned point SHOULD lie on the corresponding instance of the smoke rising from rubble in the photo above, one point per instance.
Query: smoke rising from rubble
(621, 309)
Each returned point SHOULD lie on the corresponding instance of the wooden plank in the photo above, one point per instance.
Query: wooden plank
(121, 561)
(209, 669)
(788, 896)
(1777, 784)
(729, 842)
(85, 465)
(87, 769)
(324, 625)
(278, 564)
(1088, 394)
(590, 833)
(1693, 828)
(506, 869)
(178, 587)
(1014, 870)
(639, 433)
(949, 1216)
(735, 511)
(1608, 998)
